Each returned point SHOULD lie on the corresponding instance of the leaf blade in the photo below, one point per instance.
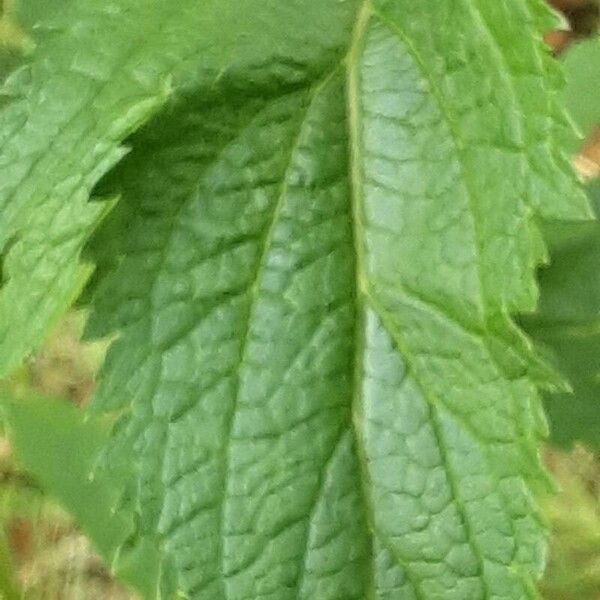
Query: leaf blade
(317, 374)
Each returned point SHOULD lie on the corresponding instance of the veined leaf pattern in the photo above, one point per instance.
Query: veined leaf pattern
(320, 242)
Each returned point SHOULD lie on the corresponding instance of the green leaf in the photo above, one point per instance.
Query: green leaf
(54, 147)
(582, 66)
(60, 450)
(317, 382)
(99, 74)
(568, 325)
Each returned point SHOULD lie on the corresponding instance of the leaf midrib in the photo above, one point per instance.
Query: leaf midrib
(361, 297)
(366, 299)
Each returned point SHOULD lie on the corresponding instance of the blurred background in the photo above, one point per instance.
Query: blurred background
(44, 556)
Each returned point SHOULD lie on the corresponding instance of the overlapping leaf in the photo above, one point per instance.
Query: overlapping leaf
(317, 381)
(99, 73)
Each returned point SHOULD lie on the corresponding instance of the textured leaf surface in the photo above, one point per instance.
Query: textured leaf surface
(99, 73)
(317, 381)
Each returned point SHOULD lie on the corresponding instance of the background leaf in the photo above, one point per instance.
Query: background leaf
(582, 65)
(59, 449)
